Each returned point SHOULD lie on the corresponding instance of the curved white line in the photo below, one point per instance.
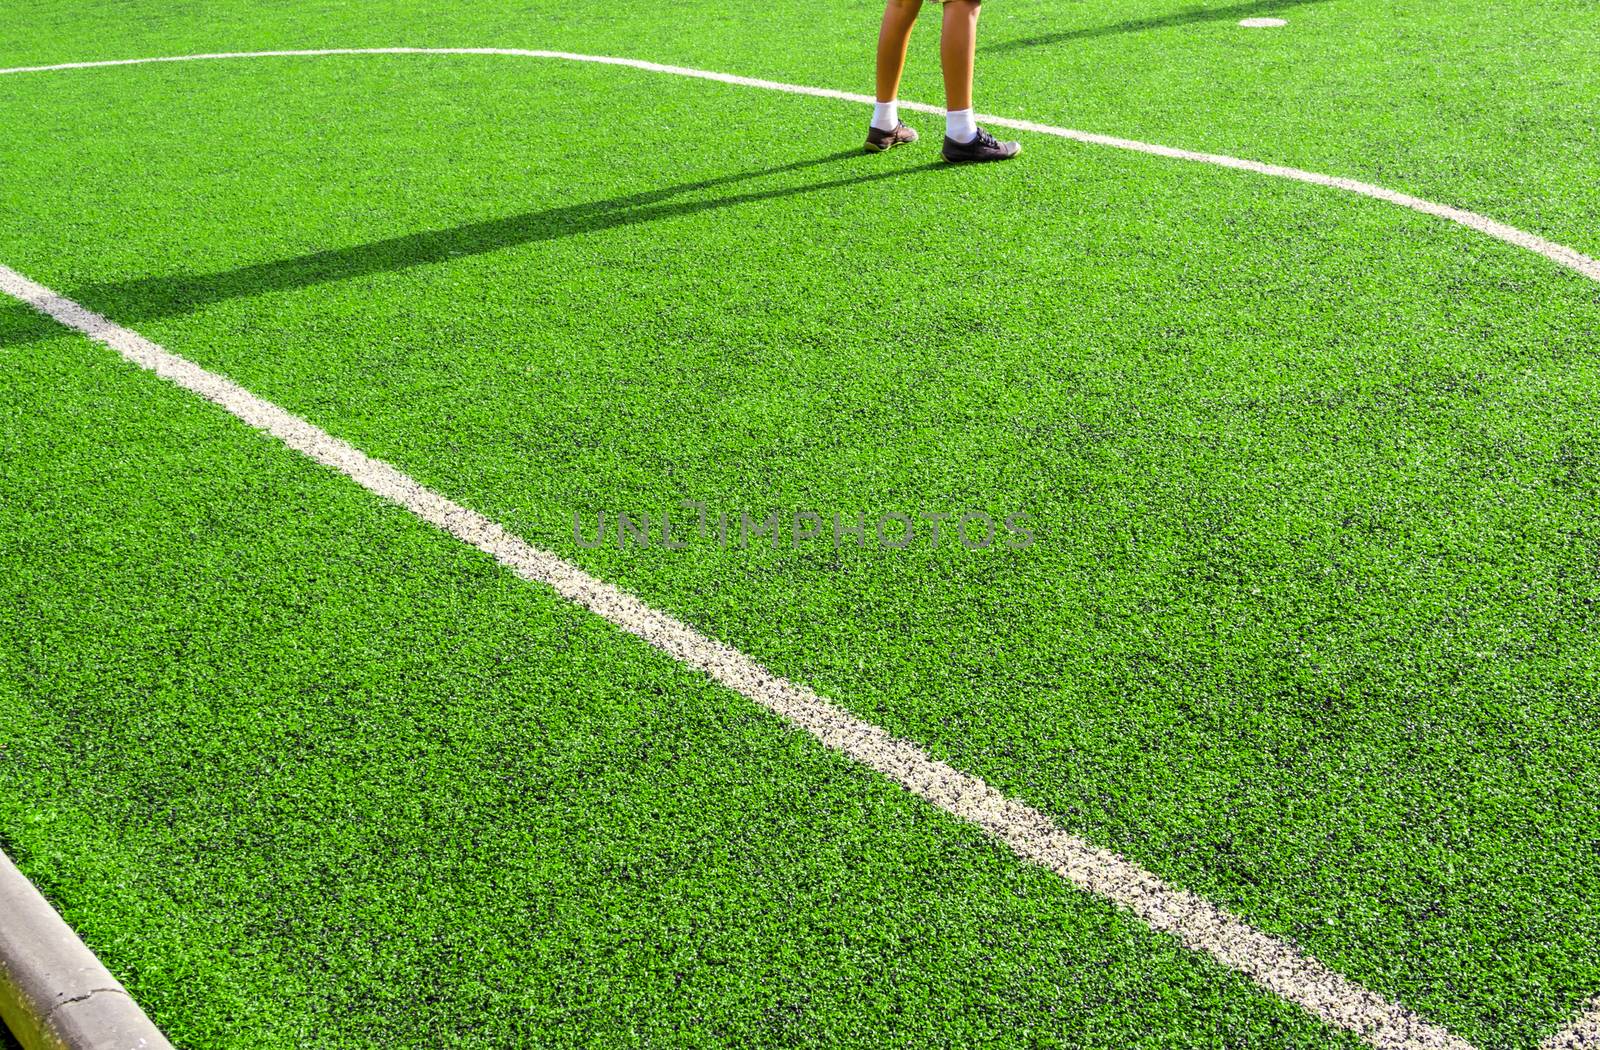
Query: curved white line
(1560, 254)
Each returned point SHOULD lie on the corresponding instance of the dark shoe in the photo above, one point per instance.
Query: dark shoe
(883, 141)
(980, 150)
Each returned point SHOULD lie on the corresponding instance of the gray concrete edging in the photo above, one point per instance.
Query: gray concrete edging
(54, 993)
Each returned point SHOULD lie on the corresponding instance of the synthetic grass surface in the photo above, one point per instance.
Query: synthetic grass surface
(1308, 627)
(306, 772)
(1486, 105)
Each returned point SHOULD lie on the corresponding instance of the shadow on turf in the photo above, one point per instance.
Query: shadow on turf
(1192, 16)
(148, 298)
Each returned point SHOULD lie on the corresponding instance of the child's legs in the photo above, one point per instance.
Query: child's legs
(958, 48)
(893, 39)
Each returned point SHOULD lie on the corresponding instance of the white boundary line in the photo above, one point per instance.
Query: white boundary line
(1582, 1034)
(1560, 254)
(1274, 964)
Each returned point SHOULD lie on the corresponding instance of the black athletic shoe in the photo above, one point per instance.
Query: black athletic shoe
(980, 150)
(882, 141)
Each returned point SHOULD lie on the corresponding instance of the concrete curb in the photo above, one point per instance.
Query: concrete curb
(54, 993)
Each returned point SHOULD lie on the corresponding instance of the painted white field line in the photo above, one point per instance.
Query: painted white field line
(1559, 254)
(1276, 965)
(1582, 1034)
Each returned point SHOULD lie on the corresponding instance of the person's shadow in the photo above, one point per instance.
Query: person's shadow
(1194, 15)
(147, 298)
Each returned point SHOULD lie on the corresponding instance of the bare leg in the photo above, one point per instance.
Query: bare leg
(958, 48)
(964, 141)
(893, 39)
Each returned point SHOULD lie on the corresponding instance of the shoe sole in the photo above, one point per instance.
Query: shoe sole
(981, 160)
(870, 148)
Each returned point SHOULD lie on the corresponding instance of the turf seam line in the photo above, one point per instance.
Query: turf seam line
(1581, 1034)
(1274, 964)
(54, 993)
(1560, 254)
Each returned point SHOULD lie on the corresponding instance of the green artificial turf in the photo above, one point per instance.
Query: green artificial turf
(306, 772)
(1486, 104)
(1308, 626)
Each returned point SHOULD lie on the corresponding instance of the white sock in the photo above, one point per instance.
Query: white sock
(886, 115)
(960, 125)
